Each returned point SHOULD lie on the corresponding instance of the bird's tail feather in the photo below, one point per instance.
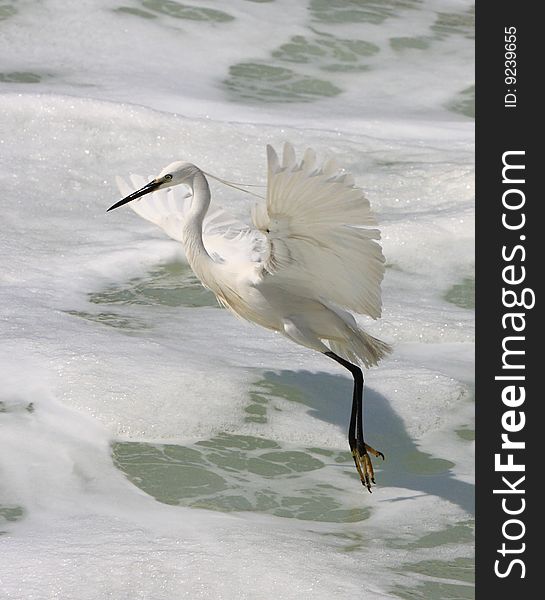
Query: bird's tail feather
(361, 348)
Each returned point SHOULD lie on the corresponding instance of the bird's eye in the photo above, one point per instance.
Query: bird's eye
(168, 177)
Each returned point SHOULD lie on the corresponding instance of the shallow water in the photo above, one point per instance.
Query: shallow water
(152, 445)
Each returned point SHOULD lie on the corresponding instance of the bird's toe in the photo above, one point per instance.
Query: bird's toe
(364, 465)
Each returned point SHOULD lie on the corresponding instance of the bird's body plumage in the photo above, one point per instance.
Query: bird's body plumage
(310, 257)
(309, 260)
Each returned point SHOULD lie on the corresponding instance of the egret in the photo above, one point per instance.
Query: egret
(310, 260)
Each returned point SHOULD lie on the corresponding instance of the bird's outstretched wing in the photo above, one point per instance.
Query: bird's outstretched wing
(224, 236)
(317, 225)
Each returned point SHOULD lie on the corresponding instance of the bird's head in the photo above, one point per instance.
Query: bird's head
(174, 174)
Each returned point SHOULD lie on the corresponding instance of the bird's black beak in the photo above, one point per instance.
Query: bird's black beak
(149, 187)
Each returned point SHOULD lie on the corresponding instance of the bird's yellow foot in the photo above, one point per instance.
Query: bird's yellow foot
(364, 464)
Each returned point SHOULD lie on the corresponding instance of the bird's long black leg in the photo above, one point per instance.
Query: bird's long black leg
(355, 430)
(353, 420)
(363, 448)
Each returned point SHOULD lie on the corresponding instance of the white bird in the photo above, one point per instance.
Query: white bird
(310, 258)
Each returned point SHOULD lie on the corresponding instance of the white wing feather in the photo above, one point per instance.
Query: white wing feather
(225, 238)
(317, 224)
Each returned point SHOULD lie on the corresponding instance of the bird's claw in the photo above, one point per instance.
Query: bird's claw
(364, 465)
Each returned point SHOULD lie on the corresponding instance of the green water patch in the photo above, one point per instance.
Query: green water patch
(466, 433)
(462, 294)
(348, 541)
(447, 24)
(400, 44)
(394, 267)
(10, 513)
(358, 11)
(440, 579)
(20, 77)
(135, 12)
(452, 580)
(272, 388)
(237, 473)
(423, 463)
(7, 11)
(327, 52)
(112, 319)
(464, 102)
(188, 12)
(256, 409)
(262, 82)
(172, 284)
(281, 80)
(459, 533)
(16, 406)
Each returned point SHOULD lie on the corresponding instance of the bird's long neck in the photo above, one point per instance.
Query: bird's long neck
(196, 253)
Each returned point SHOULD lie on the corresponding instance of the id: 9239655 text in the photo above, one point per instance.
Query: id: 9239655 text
(510, 57)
